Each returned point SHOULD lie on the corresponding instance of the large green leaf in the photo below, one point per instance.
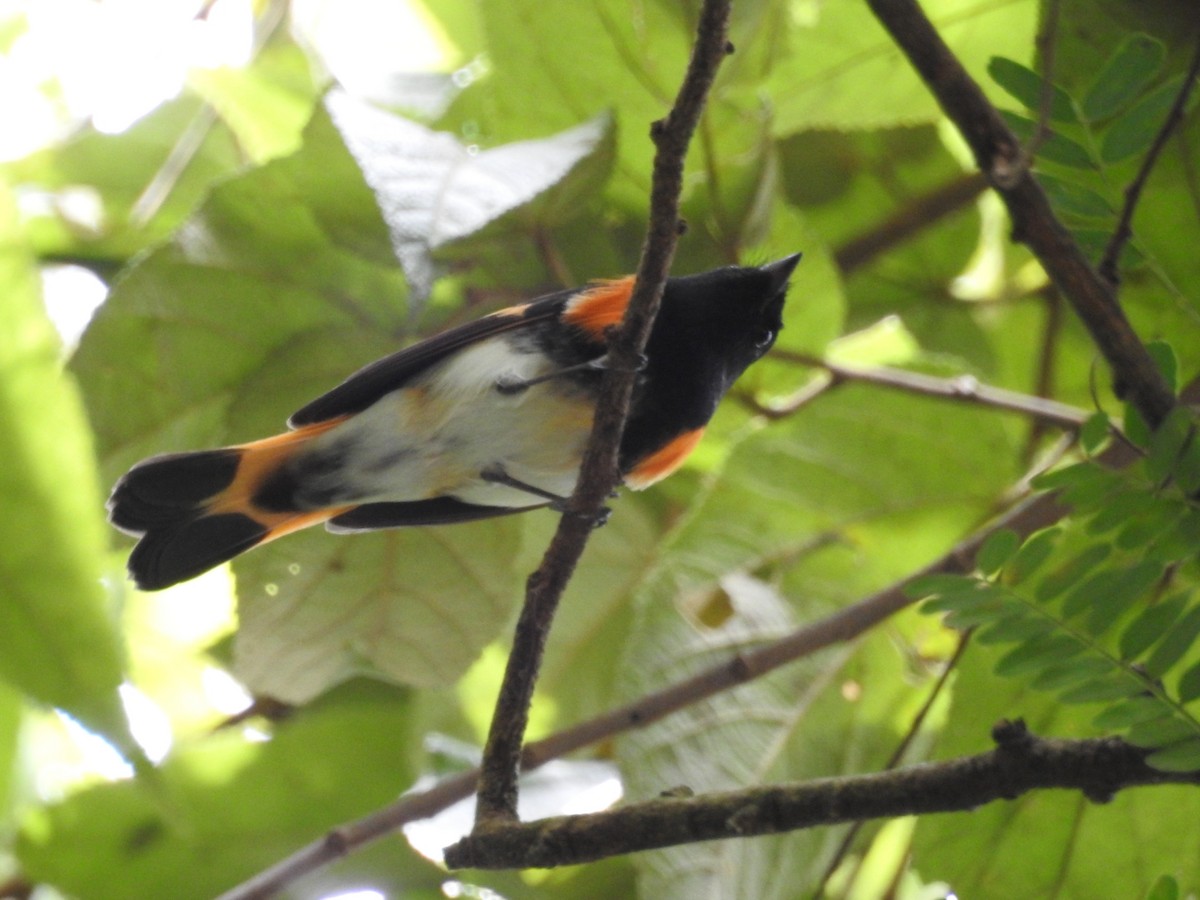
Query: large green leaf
(217, 812)
(58, 641)
(282, 284)
(840, 69)
(434, 190)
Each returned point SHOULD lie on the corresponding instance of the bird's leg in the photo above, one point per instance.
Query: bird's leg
(495, 474)
(513, 385)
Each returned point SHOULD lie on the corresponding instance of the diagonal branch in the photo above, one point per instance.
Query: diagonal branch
(1133, 193)
(598, 474)
(998, 155)
(1021, 762)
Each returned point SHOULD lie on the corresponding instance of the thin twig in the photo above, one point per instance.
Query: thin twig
(1020, 762)
(998, 155)
(923, 211)
(1109, 263)
(1047, 357)
(498, 780)
(963, 388)
(1046, 41)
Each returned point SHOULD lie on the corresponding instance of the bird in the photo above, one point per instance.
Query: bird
(485, 419)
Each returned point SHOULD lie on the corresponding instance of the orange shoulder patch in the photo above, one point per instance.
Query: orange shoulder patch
(663, 462)
(597, 307)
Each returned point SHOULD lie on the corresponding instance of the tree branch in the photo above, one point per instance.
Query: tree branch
(964, 388)
(1133, 193)
(598, 474)
(998, 155)
(905, 223)
(1020, 763)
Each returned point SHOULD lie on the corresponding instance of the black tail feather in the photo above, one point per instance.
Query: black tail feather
(164, 502)
(173, 553)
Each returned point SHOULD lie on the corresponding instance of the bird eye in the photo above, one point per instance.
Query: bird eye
(764, 339)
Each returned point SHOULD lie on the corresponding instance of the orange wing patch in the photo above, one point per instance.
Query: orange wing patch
(599, 306)
(663, 462)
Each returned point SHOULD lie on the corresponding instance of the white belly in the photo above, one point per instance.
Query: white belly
(436, 436)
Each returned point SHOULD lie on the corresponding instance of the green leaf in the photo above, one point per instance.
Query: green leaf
(1134, 131)
(266, 103)
(1166, 888)
(1095, 433)
(1188, 688)
(1017, 625)
(1121, 508)
(967, 616)
(1125, 589)
(1056, 147)
(1150, 625)
(1026, 85)
(1033, 553)
(1083, 484)
(975, 594)
(1169, 729)
(844, 72)
(283, 283)
(1167, 360)
(1181, 757)
(1154, 528)
(219, 811)
(997, 550)
(1071, 199)
(434, 190)
(1176, 643)
(58, 640)
(1037, 654)
(1124, 76)
(416, 605)
(939, 584)
(1102, 690)
(1168, 442)
(1130, 712)
(1071, 573)
(1071, 672)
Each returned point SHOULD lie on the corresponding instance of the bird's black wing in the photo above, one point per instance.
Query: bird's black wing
(435, 511)
(385, 375)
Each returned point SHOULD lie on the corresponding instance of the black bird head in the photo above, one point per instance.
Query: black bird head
(729, 317)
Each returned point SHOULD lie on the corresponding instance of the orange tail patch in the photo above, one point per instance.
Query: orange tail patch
(260, 459)
(193, 511)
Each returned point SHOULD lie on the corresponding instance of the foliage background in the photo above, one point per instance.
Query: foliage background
(302, 231)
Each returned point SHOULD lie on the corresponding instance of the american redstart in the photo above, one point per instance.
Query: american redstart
(483, 420)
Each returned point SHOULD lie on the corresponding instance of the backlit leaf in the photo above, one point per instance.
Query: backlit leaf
(1126, 74)
(1026, 85)
(1133, 132)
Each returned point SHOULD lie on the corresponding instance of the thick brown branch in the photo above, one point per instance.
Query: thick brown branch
(998, 155)
(598, 474)
(1019, 764)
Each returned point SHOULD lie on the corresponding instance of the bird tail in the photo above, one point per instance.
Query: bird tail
(194, 511)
